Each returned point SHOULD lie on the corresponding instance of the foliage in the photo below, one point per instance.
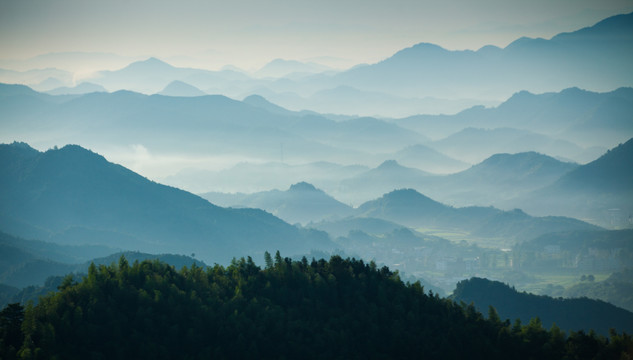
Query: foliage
(341, 309)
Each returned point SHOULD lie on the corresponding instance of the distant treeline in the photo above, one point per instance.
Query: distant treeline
(568, 314)
(336, 309)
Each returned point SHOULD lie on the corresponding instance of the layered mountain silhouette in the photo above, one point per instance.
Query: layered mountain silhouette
(83, 88)
(54, 193)
(579, 116)
(499, 179)
(410, 208)
(601, 190)
(570, 59)
(424, 78)
(475, 144)
(428, 159)
(151, 75)
(180, 88)
(301, 203)
(213, 123)
(33, 264)
(387, 176)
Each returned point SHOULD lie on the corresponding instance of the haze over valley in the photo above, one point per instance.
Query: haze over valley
(498, 175)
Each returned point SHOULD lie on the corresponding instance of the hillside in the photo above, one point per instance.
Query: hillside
(189, 125)
(75, 196)
(567, 314)
(301, 203)
(179, 88)
(387, 176)
(601, 190)
(499, 179)
(610, 174)
(360, 312)
(412, 209)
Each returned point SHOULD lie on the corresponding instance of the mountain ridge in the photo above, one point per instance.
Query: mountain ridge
(58, 190)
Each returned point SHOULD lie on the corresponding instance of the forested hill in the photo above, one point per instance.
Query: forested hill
(568, 314)
(336, 309)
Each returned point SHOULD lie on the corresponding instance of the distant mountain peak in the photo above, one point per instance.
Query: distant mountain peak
(619, 25)
(181, 88)
(258, 101)
(20, 145)
(302, 186)
(151, 63)
(426, 46)
(405, 194)
(389, 164)
(153, 60)
(75, 152)
(508, 159)
(417, 50)
(254, 98)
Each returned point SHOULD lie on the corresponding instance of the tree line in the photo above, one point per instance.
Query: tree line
(338, 309)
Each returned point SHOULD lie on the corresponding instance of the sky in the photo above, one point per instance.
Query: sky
(250, 33)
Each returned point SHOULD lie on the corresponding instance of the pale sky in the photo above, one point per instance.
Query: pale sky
(249, 33)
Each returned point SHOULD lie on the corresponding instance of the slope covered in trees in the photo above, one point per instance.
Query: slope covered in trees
(568, 314)
(340, 308)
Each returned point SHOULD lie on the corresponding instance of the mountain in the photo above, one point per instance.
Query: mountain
(609, 174)
(500, 179)
(152, 75)
(529, 169)
(345, 99)
(37, 249)
(405, 206)
(593, 120)
(412, 209)
(34, 272)
(567, 314)
(261, 102)
(301, 203)
(179, 88)
(474, 144)
(42, 79)
(381, 179)
(83, 88)
(428, 159)
(601, 190)
(368, 225)
(212, 124)
(422, 79)
(538, 65)
(59, 191)
(251, 177)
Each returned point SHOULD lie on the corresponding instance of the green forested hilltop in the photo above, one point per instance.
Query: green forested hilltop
(339, 308)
